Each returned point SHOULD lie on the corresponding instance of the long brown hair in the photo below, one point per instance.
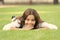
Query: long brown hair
(33, 12)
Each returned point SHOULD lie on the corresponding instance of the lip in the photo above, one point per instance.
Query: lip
(29, 25)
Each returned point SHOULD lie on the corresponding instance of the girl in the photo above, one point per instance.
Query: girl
(31, 20)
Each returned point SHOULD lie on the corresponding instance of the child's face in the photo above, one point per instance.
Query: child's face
(30, 21)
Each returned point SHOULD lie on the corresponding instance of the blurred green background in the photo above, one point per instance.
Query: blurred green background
(48, 13)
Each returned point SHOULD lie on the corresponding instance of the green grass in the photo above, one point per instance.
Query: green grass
(49, 13)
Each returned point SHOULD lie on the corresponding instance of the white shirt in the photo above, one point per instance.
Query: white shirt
(48, 25)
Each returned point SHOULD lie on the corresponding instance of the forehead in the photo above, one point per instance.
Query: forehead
(31, 17)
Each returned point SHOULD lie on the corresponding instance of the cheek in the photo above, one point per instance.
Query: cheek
(33, 23)
(26, 22)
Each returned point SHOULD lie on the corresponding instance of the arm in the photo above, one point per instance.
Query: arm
(48, 25)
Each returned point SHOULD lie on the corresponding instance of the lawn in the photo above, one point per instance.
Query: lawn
(49, 13)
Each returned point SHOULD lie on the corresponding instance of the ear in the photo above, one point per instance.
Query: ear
(13, 18)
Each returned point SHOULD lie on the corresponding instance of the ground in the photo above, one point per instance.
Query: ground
(49, 13)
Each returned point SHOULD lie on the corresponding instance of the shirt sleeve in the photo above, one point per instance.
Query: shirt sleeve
(6, 27)
(48, 25)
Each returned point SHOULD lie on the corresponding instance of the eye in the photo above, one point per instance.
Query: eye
(27, 19)
(33, 20)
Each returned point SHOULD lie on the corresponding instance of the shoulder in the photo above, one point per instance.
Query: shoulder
(19, 17)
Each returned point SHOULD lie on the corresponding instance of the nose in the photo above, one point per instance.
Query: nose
(30, 22)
